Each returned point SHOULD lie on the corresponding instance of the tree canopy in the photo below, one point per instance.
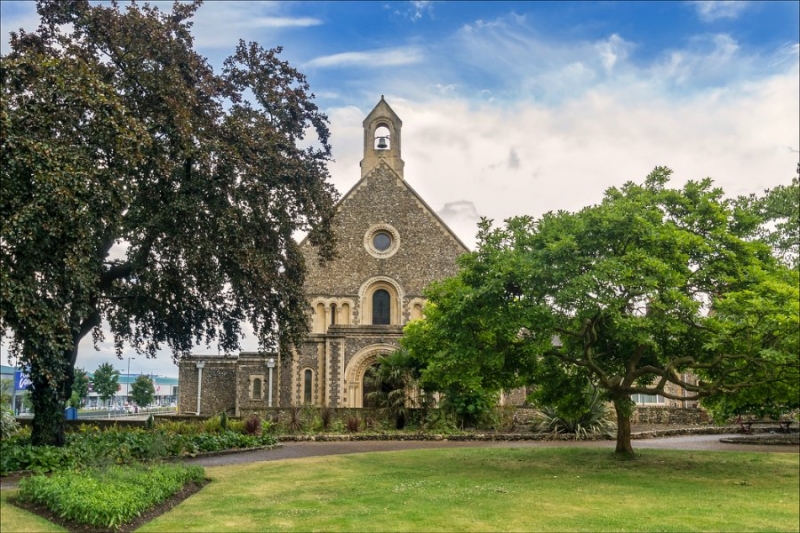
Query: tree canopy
(105, 381)
(143, 391)
(139, 187)
(80, 388)
(636, 294)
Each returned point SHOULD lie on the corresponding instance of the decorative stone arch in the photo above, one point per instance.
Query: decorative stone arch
(415, 308)
(357, 367)
(326, 312)
(396, 295)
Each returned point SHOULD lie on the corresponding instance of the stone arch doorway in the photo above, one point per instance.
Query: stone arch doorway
(370, 386)
(358, 367)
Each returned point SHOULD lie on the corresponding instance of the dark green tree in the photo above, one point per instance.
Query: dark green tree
(640, 291)
(105, 381)
(143, 391)
(80, 388)
(394, 384)
(141, 188)
(779, 209)
(6, 392)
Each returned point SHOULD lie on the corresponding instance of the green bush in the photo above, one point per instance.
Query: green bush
(95, 448)
(595, 418)
(8, 424)
(107, 497)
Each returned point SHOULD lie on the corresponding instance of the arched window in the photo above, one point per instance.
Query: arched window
(381, 307)
(307, 382)
(256, 389)
(333, 314)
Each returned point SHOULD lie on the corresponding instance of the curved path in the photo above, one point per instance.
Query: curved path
(297, 450)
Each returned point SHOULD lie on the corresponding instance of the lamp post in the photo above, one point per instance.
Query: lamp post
(128, 382)
(270, 365)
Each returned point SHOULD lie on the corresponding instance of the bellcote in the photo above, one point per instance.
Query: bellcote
(382, 129)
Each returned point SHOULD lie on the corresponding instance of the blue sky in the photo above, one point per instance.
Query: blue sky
(514, 108)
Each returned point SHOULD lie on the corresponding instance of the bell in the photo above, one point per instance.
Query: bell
(382, 144)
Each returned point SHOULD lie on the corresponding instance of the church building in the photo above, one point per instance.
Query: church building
(390, 246)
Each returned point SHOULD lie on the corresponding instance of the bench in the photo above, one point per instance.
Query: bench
(747, 425)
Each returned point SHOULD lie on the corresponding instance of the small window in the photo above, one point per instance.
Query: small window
(647, 399)
(381, 311)
(333, 314)
(382, 241)
(309, 378)
(256, 389)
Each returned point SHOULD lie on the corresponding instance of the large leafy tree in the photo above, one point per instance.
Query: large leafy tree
(779, 209)
(636, 293)
(105, 381)
(140, 187)
(143, 391)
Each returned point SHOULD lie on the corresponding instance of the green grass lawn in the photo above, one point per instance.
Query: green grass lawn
(505, 489)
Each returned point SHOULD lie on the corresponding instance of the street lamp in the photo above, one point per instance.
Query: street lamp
(270, 365)
(128, 382)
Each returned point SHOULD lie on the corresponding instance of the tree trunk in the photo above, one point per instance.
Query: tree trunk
(623, 426)
(51, 378)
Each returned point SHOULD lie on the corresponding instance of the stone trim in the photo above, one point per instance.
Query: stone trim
(251, 392)
(358, 365)
(365, 296)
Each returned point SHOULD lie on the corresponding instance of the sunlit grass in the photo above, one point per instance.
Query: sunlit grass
(522, 489)
(16, 520)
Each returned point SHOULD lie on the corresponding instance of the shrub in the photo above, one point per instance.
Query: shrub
(353, 424)
(252, 426)
(8, 424)
(595, 419)
(237, 426)
(179, 427)
(326, 415)
(109, 497)
(295, 422)
(213, 424)
(116, 446)
(223, 420)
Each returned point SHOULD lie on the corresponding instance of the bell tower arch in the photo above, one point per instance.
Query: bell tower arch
(382, 139)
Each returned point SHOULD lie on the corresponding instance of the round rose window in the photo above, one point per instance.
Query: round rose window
(382, 241)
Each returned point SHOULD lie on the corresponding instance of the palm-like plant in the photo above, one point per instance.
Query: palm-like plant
(595, 419)
(393, 379)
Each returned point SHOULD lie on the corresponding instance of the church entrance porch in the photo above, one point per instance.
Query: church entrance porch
(356, 371)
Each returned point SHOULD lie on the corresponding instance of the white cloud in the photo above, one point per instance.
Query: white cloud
(711, 10)
(385, 57)
(611, 50)
(564, 156)
(419, 9)
(222, 24)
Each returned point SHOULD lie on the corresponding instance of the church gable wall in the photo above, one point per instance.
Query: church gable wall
(426, 252)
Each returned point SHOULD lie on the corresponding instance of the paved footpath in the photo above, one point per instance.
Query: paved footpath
(298, 450)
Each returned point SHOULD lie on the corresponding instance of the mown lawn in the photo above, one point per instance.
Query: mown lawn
(505, 489)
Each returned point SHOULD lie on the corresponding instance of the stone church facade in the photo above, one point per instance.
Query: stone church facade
(391, 245)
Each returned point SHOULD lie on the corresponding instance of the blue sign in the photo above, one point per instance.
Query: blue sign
(21, 381)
